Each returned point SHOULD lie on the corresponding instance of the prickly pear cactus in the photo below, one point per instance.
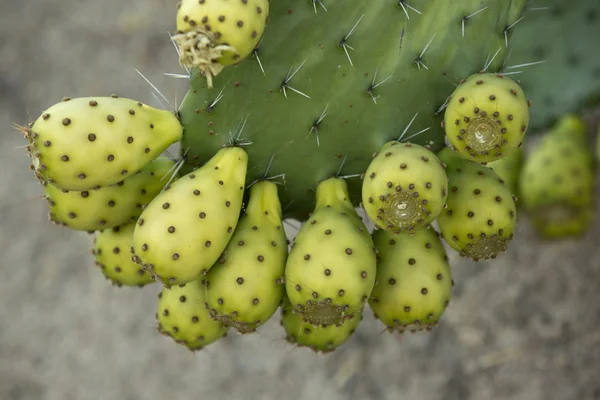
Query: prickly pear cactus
(329, 83)
(89, 142)
(184, 230)
(508, 169)
(112, 253)
(245, 287)
(487, 116)
(557, 181)
(414, 280)
(109, 206)
(405, 187)
(481, 216)
(330, 271)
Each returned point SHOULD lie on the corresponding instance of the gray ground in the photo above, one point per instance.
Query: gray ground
(523, 327)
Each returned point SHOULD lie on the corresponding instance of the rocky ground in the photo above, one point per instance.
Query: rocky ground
(523, 327)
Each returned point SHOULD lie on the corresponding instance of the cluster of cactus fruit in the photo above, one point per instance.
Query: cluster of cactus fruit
(336, 108)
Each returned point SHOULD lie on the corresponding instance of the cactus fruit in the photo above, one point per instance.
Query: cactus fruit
(112, 253)
(318, 338)
(182, 316)
(487, 116)
(405, 187)
(244, 288)
(85, 143)
(216, 33)
(184, 230)
(330, 271)
(336, 85)
(481, 216)
(414, 280)
(109, 206)
(508, 169)
(557, 182)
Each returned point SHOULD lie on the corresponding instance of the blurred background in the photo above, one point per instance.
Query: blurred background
(525, 326)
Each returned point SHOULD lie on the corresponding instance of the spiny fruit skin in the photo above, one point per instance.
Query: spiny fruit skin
(181, 315)
(109, 206)
(245, 287)
(216, 33)
(481, 216)
(320, 339)
(112, 253)
(414, 280)
(405, 187)
(89, 142)
(508, 169)
(184, 230)
(557, 183)
(487, 116)
(330, 271)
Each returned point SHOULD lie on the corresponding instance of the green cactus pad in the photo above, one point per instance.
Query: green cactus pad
(481, 216)
(487, 116)
(184, 230)
(113, 256)
(108, 206)
(414, 280)
(182, 316)
(85, 143)
(405, 187)
(244, 288)
(557, 182)
(215, 33)
(330, 271)
(560, 39)
(318, 338)
(327, 86)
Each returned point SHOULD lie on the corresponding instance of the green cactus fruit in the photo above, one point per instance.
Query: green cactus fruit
(245, 287)
(481, 216)
(113, 256)
(330, 271)
(318, 338)
(326, 86)
(414, 280)
(487, 116)
(557, 184)
(184, 230)
(405, 187)
(216, 33)
(508, 169)
(109, 206)
(85, 143)
(571, 126)
(182, 316)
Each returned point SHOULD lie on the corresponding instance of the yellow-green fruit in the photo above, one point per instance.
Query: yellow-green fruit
(182, 316)
(405, 187)
(184, 230)
(215, 33)
(414, 280)
(89, 142)
(481, 216)
(244, 288)
(508, 169)
(486, 117)
(570, 126)
(113, 256)
(323, 339)
(330, 271)
(109, 206)
(557, 184)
